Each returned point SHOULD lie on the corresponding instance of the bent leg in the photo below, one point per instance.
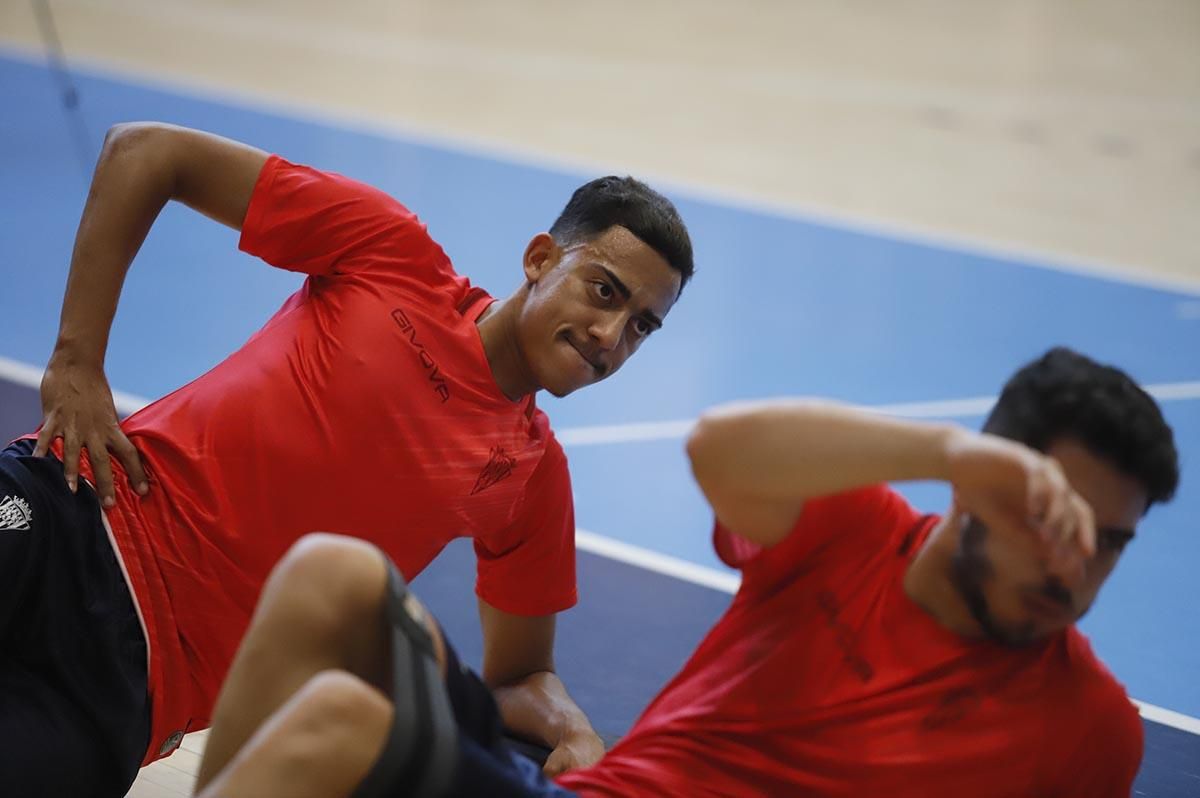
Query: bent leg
(323, 608)
(320, 744)
(336, 603)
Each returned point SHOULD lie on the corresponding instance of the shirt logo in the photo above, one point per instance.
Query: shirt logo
(844, 636)
(954, 705)
(500, 466)
(440, 386)
(15, 515)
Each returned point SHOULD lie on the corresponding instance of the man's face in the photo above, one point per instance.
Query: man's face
(590, 306)
(1005, 578)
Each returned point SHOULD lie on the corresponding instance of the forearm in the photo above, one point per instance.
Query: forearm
(793, 450)
(142, 166)
(132, 182)
(538, 708)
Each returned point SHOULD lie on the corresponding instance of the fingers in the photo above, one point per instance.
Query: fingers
(1049, 501)
(78, 408)
(71, 458)
(1085, 536)
(1069, 524)
(1029, 493)
(132, 462)
(556, 764)
(1070, 534)
(98, 454)
(101, 471)
(580, 750)
(46, 436)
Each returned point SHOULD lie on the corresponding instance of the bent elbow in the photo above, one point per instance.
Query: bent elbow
(699, 441)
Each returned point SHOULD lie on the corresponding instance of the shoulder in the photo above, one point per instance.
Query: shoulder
(1094, 684)
(552, 463)
(1099, 726)
(859, 523)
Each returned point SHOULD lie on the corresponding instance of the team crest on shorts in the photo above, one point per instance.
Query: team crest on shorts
(14, 514)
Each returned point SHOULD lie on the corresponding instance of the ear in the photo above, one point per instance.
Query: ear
(541, 255)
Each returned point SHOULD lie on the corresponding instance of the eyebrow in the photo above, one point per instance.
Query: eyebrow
(1124, 533)
(624, 291)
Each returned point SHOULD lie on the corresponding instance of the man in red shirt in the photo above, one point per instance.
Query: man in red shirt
(870, 650)
(388, 398)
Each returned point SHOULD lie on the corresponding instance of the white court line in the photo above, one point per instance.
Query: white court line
(20, 373)
(31, 376)
(724, 581)
(727, 582)
(945, 408)
(473, 145)
(126, 403)
(1168, 717)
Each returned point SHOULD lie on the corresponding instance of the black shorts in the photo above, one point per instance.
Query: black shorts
(490, 764)
(74, 712)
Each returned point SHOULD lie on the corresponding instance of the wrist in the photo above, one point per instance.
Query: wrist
(950, 439)
(577, 727)
(78, 351)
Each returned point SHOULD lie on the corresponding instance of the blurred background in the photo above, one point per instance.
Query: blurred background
(1069, 129)
(893, 203)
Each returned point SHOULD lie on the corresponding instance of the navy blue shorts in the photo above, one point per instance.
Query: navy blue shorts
(74, 713)
(447, 737)
(489, 766)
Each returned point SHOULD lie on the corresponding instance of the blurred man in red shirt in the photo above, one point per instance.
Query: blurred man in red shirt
(870, 650)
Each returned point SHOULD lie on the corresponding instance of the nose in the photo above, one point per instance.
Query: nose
(1069, 573)
(606, 330)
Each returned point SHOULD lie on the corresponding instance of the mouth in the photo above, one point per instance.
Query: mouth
(597, 366)
(1046, 608)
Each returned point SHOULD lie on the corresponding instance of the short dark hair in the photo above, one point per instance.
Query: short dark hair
(611, 201)
(1064, 394)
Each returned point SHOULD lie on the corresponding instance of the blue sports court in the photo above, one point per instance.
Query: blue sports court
(781, 305)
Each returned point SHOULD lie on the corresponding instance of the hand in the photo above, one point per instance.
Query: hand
(77, 406)
(1009, 486)
(577, 750)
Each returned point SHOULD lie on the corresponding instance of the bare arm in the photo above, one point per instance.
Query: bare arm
(518, 664)
(758, 462)
(142, 166)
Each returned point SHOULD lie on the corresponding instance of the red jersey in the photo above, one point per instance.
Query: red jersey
(823, 678)
(365, 406)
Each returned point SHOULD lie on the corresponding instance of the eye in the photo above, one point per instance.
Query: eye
(603, 291)
(1113, 540)
(642, 327)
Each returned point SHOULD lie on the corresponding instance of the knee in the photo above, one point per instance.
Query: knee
(331, 564)
(336, 716)
(330, 579)
(339, 701)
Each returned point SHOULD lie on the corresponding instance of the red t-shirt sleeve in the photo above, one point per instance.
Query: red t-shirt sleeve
(862, 520)
(306, 220)
(530, 569)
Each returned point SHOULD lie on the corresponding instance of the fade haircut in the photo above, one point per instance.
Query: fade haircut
(612, 201)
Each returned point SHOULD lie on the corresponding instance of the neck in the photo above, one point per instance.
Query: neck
(498, 332)
(929, 581)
